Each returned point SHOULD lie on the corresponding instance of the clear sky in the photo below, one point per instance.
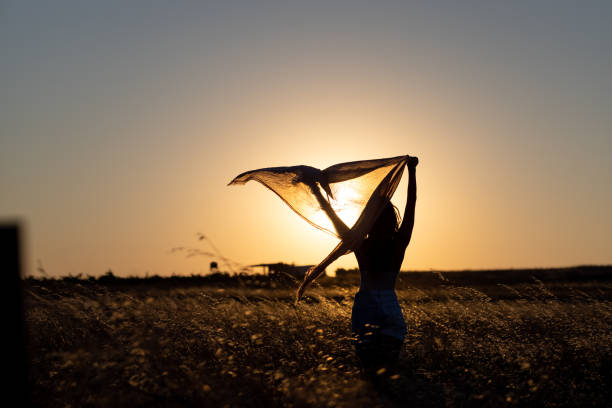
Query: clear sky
(122, 122)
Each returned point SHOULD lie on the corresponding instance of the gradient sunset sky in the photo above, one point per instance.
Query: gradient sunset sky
(122, 122)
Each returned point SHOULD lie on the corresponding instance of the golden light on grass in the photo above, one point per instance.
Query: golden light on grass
(193, 341)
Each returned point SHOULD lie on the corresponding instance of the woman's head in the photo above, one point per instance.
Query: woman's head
(387, 222)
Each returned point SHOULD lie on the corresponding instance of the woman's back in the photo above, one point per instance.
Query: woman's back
(379, 262)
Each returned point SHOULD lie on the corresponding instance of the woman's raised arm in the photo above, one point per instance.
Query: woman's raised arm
(405, 230)
(339, 225)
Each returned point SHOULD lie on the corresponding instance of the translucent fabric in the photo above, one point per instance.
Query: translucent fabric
(344, 200)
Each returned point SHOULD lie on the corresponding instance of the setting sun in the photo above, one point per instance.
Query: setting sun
(347, 203)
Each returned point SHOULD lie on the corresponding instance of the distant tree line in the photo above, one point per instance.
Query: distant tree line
(346, 277)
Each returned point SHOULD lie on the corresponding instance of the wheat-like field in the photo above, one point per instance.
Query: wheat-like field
(96, 345)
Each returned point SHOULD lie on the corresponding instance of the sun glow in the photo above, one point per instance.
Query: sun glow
(347, 203)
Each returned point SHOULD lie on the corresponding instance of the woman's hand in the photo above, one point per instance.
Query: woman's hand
(413, 161)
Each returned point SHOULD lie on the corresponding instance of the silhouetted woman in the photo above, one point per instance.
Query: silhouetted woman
(377, 322)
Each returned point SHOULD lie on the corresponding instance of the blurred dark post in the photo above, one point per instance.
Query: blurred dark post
(16, 371)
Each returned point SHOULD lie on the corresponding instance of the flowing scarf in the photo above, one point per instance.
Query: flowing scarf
(355, 191)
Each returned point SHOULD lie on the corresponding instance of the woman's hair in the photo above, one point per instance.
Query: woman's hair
(388, 221)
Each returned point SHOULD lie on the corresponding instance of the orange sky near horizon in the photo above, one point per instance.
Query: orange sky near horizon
(122, 127)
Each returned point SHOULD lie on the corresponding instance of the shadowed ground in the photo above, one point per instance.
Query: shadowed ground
(527, 344)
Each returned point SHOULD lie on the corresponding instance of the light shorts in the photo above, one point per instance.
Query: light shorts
(377, 312)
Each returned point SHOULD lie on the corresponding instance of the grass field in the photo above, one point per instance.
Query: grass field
(101, 344)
